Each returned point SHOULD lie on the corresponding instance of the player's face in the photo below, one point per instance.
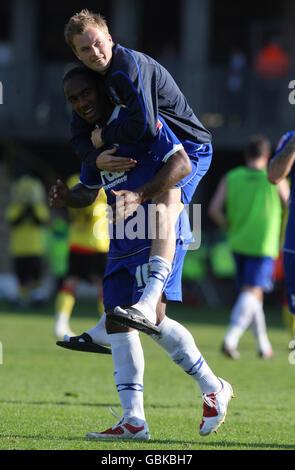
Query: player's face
(86, 101)
(94, 49)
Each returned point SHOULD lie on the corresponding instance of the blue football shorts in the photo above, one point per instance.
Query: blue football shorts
(254, 271)
(289, 269)
(125, 278)
(200, 156)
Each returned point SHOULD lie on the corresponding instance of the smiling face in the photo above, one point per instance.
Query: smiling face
(94, 48)
(88, 99)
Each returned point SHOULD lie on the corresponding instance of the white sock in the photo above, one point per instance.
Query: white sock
(98, 332)
(259, 329)
(128, 361)
(241, 317)
(62, 319)
(159, 269)
(180, 345)
(62, 325)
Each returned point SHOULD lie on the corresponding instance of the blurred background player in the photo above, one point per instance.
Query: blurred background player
(27, 215)
(282, 166)
(88, 247)
(58, 247)
(252, 218)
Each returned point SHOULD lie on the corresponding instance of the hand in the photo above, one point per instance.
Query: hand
(126, 204)
(106, 161)
(96, 139)
(58, 194)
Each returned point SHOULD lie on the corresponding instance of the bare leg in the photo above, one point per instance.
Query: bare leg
(168, 208)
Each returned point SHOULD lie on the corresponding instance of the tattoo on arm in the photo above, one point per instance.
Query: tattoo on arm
(280, 166)
(287, 151)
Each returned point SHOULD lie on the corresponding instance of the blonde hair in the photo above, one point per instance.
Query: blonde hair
(80, 22)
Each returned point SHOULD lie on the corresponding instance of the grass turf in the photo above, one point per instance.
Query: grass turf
(51, 397)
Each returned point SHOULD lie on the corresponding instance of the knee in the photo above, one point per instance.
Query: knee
(171, 196)
(70, 283)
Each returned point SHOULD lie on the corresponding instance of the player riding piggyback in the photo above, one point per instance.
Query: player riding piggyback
(150, 157)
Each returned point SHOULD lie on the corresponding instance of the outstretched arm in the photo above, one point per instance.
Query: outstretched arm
(78, 196)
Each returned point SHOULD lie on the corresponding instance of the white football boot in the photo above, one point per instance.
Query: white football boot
(215, 408)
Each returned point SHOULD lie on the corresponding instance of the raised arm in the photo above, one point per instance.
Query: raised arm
(280, 165)
(284, 191)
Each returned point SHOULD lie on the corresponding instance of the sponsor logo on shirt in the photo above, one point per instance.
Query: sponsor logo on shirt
(109, 180)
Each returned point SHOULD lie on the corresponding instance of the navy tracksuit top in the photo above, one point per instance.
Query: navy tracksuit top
(147, 89)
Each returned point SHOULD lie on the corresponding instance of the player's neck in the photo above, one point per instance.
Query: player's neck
(258, 164)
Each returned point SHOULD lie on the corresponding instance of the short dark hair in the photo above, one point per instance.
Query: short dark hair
(81, 70)
(257, 146)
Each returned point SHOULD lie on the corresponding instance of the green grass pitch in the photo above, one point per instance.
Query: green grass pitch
(51, 397)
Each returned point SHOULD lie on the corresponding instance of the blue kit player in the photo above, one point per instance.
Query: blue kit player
(282, 166)
(126, 269)
(139, 83)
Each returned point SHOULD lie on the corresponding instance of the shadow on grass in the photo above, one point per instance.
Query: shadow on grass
(228, 444)
(43, 437)
(222, 445)
(56, 403)
(66, 403)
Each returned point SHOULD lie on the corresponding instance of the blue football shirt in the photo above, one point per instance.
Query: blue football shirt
(134, 234)
(289, 244)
